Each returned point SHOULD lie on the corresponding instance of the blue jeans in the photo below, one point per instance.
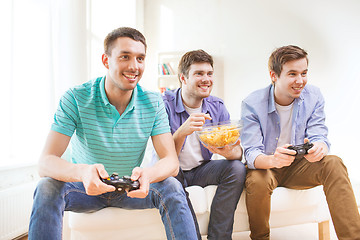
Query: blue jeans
(229, 176)
(53, 197)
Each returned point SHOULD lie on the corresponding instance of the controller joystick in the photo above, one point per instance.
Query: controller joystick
(301, 149)
(121, 184)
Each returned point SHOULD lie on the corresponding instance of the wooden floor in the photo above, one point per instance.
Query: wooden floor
(22, 238)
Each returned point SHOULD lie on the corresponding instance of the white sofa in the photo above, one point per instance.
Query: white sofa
(289, 207)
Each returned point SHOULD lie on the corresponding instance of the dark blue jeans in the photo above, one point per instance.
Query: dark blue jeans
(229, 176)
(53, 197)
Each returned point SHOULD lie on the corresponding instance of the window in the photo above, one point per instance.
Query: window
(48, 46)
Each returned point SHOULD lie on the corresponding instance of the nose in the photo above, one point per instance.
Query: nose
(133, 64)
(299, 79)
(207, 78)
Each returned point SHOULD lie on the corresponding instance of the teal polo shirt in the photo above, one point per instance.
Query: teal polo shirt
(101, 134)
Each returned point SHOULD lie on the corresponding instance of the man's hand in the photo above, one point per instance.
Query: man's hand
(140, 174)
(229, 152)
(317, 152)
(283, 157)
(91, 180)
(194, 123)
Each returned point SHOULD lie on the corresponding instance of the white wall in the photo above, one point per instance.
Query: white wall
(242, 34)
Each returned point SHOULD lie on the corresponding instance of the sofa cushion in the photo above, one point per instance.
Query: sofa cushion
(109, 222)
(198, 199)
(288, 207)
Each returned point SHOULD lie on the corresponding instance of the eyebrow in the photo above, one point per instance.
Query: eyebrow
(127, 52)
(291, 71)
(202, 71)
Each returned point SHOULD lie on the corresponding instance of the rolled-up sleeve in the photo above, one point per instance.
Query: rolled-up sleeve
(251, 136)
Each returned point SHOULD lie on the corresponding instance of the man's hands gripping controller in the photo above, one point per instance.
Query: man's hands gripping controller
(121, 184)
(301, 150)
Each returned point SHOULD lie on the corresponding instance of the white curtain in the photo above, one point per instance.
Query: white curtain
(46, 47)
(44, 52)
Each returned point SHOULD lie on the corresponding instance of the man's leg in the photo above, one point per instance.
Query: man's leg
(169, 197)
(332, 174)
(51, 198)
(229, 175)
(259, 187)
(181, 178)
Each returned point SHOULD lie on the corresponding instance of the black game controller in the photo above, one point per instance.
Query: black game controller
(121, 184)
(301, 149)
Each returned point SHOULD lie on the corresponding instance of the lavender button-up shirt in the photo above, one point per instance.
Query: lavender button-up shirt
(178, 115)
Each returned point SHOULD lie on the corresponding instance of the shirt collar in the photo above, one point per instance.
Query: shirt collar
(131, 104)
(102, 91)
(271, 104)
(179, 105)
(134, 94)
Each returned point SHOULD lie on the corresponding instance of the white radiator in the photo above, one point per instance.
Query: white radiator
(15, 209)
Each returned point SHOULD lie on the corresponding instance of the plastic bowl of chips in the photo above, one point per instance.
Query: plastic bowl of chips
(220, 134)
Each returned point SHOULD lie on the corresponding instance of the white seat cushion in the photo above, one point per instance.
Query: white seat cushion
(198, 199)
(288, 207)
(110, 223)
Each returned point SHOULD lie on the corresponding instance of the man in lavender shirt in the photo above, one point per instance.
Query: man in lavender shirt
(188, 108)
(290, 112)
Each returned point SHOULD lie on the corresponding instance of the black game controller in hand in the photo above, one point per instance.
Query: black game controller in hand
(121, 184)
(301, 149)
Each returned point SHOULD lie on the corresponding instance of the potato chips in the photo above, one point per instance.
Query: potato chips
(220, 136)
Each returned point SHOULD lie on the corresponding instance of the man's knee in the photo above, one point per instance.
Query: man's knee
(332, 161)
(238, 170)
(333, 165)
(259, 180)
(168, 192)
(169, 184)
(48, 189)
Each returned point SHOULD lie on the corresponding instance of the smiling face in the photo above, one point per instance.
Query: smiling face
(125, 64)
(198, 84)
(291, 81)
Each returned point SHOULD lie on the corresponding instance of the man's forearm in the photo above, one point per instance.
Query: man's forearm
(264, 161)
(163, 169)
(168, 165)
(60, 169)
(179, 140)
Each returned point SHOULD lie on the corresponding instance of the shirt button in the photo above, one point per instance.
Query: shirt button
(276, 138)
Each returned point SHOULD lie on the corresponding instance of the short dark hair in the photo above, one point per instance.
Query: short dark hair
(122, 32)
(189, 58)
(285, 54)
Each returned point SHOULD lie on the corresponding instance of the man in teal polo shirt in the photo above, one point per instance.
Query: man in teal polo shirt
(109, 121)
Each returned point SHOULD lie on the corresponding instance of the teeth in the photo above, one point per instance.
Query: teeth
(130, 76)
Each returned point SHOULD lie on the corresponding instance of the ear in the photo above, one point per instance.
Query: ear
(105, 60)
(273, 76)
(182, 78)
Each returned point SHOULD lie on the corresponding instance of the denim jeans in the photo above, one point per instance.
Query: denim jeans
(53, 197)
(229, 176)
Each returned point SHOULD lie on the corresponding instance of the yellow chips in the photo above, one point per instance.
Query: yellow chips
(220, 136)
